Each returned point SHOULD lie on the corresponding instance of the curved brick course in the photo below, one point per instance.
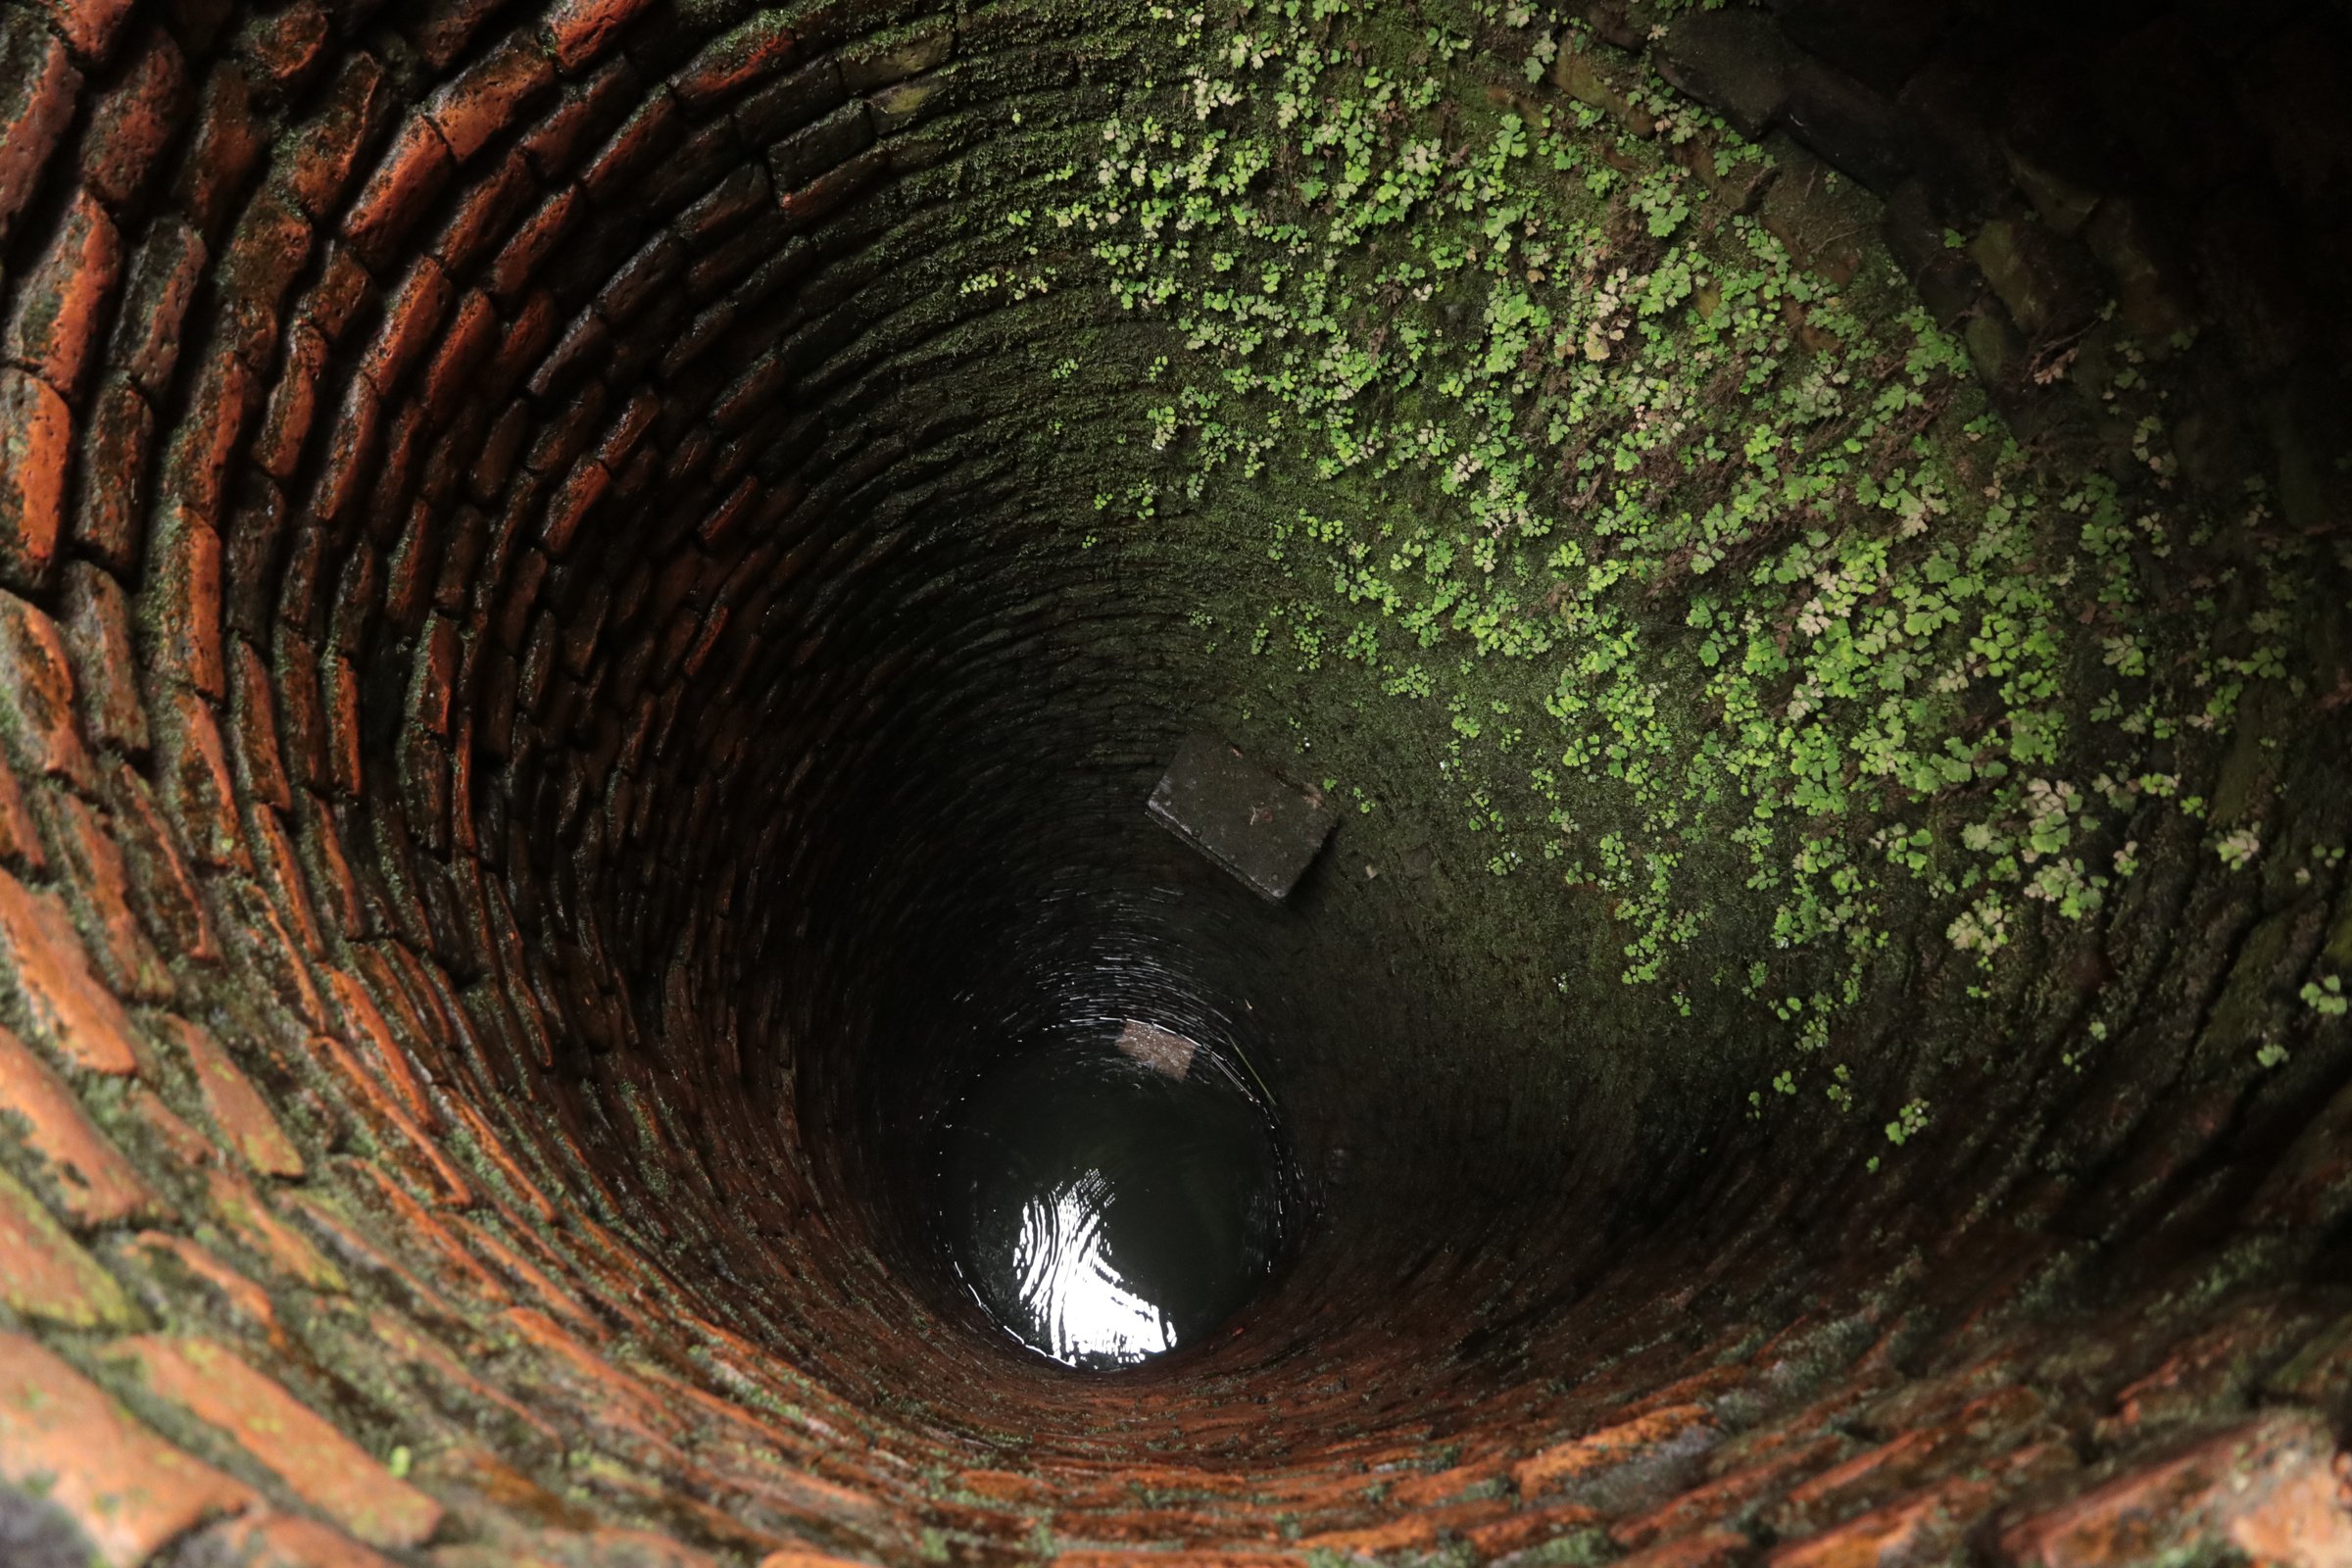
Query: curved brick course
(503, 525)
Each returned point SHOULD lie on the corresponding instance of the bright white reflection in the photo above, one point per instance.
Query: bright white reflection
(1084, 1310)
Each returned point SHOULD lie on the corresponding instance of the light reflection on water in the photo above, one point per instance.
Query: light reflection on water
(1110, 1195)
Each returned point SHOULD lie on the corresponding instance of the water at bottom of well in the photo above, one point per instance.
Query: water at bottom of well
(1111, 1194)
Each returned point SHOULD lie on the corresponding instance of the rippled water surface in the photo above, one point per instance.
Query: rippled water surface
(1112, 1195)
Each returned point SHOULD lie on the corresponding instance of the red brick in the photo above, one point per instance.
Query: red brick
(109, 519)
(161, 885)
(135, 120)
(183, 604)
(2264, 1488)
(342, 683)
(293, 404)
(204, 439)
(61, 1437)
(350, 449)
(752, 53)
(243, 1117)
(302, 1448)
(1717, 1548)
(233, 1295)
(45, 1274)
(471, 335)
(38, 86)
(579, 30)
(267, 251)
(247, 1215)
(95, 1185)
(178, 1143)
(88, 27)
(36, 695)
(20, 838)
(253, 730)
(412, 171)
(320, 156)
(267, 1538)
(163, 278)
(490, 96)
(99, 884)
(1681, 1424)
(519, 260)
(412, 316)
(61, 300)
(37, 433)
(221, 153)
(98, 643)
(284, 44)
(69, 1011)
(197, 793)
(456, 1268)
(280, 871)
(401, 1137)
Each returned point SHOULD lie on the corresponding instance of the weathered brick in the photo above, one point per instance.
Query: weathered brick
(253, 730)
(67, 1010)
(471, 335)
(103, 658)
(181, 607)
(99, 882)
(491, 96)
(302, 1448)
(135, 120)
(234, 1105)
(94, 1184)
(727, 65)
(284, 44)
(162, 888)
(61, 300)
(62, 1438)
(162, 277)
(410, 174)
(111, 482)
(38, 715)
(412, 312)
(268, 249)
(38, 86)
(579, 30)
(222, 153)
(195, 786)
(247, 1216)
(45, 1274)
(90, 28)
(37, 434)
(204, 439)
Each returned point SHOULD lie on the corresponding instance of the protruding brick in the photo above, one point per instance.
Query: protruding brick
(105, 662)
(579, 30)
(61, 302)
(137, 118)
(751, 54)
(234, 1105)
(37, 88)
(163, 276)
(45, 1274)
(197, 793)
(491, 96)
(112, 485)
(61, 1437)
(302, 1448)
(94, 1183)
(37, 715)
(181, 608)
(36, 443)
(412, 171)
(68, 1009)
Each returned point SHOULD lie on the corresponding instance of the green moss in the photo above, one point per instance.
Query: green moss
(1734, 629)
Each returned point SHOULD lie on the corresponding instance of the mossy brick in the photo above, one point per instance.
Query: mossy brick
(104, 659)
(302, 1448)
(55, 326)
(93, 1183)
(225, 144)
(284, 45)
(38, 87)
(36, 432)
(410, 172)
(578, 31)
(734, 61)
(492, 96)
(66, 1439)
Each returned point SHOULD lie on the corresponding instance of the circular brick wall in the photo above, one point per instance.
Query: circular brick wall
(548, 682)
